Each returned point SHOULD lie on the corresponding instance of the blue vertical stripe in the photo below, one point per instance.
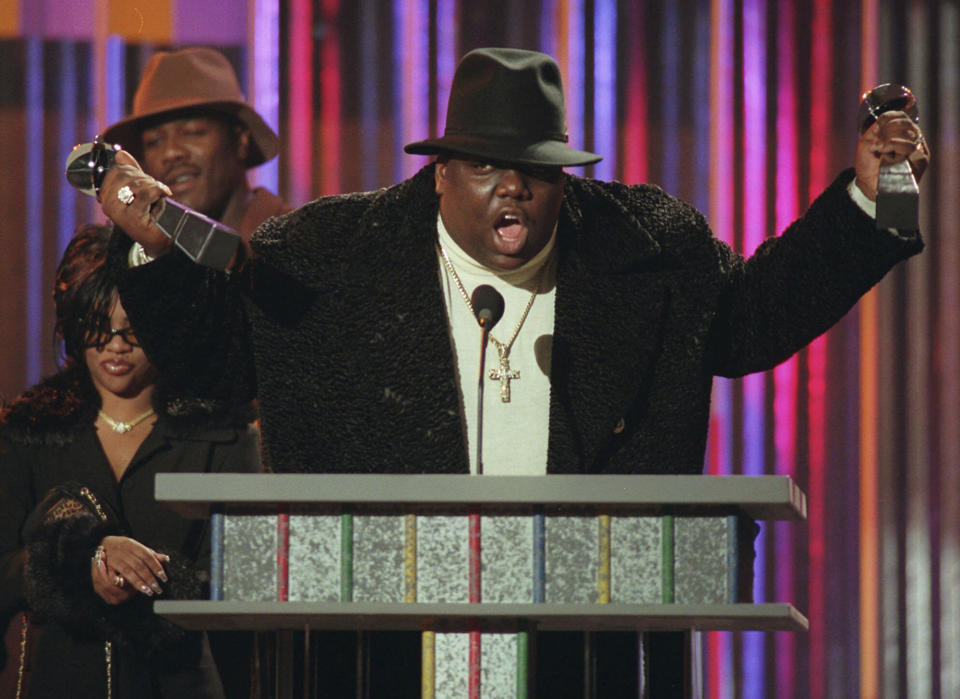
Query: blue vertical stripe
(216, 555)
(35, 286)
(114, 84)
(605, 88)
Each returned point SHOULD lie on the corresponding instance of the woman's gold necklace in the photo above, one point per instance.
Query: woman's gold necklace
(121, 427)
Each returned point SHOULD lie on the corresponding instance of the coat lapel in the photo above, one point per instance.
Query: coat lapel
(610, 306)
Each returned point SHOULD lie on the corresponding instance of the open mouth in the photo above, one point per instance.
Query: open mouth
(511, 233)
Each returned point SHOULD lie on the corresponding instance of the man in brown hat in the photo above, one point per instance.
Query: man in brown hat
(620, 305)
(191, 129)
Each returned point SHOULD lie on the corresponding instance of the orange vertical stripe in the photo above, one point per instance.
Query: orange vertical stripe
(139, 20)
(10, 18)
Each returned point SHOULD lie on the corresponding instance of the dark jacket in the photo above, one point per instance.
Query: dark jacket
(344, 337)
(47, 440)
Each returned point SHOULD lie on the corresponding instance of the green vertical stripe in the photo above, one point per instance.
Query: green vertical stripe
(523, 659)
(346, 557)
(666, 558)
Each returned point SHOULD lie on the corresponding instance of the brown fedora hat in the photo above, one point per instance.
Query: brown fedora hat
(507, 105)
(194, 78)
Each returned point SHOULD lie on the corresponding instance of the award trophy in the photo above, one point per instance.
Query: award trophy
(202, 239)
(898, 197)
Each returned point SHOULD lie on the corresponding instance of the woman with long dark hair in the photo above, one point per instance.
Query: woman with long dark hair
(84, 548)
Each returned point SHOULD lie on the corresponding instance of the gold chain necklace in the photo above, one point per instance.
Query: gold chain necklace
(503, 373)
(121, 427)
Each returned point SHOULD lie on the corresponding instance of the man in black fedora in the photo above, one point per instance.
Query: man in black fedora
(620, 305)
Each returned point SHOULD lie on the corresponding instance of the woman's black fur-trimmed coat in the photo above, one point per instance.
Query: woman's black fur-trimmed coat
(47, 440)
(344, 335)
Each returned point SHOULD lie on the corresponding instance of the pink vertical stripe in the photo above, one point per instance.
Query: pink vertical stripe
(634, 129)
(820, 116)
(300, 134)
(785, 376)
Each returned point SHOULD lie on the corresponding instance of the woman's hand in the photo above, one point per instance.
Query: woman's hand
(125, 568)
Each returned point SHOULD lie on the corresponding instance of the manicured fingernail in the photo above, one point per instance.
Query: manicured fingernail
(146, 590)
(162, 575)
(156, 588)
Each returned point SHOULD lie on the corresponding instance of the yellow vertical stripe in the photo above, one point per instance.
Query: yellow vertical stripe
(869, 420)
(869, 544)
(603, 569)
(139, 20)
(428, 668)
(410, 558)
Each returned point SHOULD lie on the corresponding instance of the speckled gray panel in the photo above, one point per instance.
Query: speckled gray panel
(442, 558)
(250, 557)
(700, 560)
(635, 571)
(572, 560)
(452, 665)
(378, 559)
(314, 558)
(507, 558)
(498, 665)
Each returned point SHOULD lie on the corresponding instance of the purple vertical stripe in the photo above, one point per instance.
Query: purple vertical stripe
(575, 78)
(754, 231)
(701, 108)
(265, 88)
(605, 88)
(217, 23)
(115, 72)
(548, 27)
(411, 81)
(67, 82)
(35, 286)
(447, 56)
(671, 154)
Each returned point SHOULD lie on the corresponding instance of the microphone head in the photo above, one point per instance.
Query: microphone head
(487, 305)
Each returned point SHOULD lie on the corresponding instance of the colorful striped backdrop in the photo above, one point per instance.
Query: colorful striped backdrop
(744, 108)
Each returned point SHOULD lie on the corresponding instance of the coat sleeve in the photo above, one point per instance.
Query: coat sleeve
(797, 285)
(192, 323)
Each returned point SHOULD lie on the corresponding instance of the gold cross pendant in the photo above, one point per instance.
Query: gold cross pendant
(503, 374)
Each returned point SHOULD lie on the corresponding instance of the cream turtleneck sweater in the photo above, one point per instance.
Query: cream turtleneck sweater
(514, 433)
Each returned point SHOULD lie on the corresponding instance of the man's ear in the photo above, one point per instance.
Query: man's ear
(243, 143)
(439, 176)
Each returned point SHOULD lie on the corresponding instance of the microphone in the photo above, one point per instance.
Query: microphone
(488, 308)
(487, 305)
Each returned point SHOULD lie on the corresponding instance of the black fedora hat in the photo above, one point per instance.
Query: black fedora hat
(507, 105)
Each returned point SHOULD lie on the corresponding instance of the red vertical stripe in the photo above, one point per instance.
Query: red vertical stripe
(635, 114)
(330, 101)
(283, 554)
(299, 151)
(474, 598)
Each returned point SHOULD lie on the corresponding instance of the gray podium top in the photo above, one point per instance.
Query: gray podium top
(758, 497)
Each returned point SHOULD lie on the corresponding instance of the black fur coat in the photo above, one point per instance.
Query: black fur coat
(49, 531)
(339, 325)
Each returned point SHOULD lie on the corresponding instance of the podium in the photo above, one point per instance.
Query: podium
(480, 564)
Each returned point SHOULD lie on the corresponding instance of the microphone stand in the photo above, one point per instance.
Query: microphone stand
(484, 339)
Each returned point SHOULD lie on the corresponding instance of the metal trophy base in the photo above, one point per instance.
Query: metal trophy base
(898, 198)
(202, 239)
